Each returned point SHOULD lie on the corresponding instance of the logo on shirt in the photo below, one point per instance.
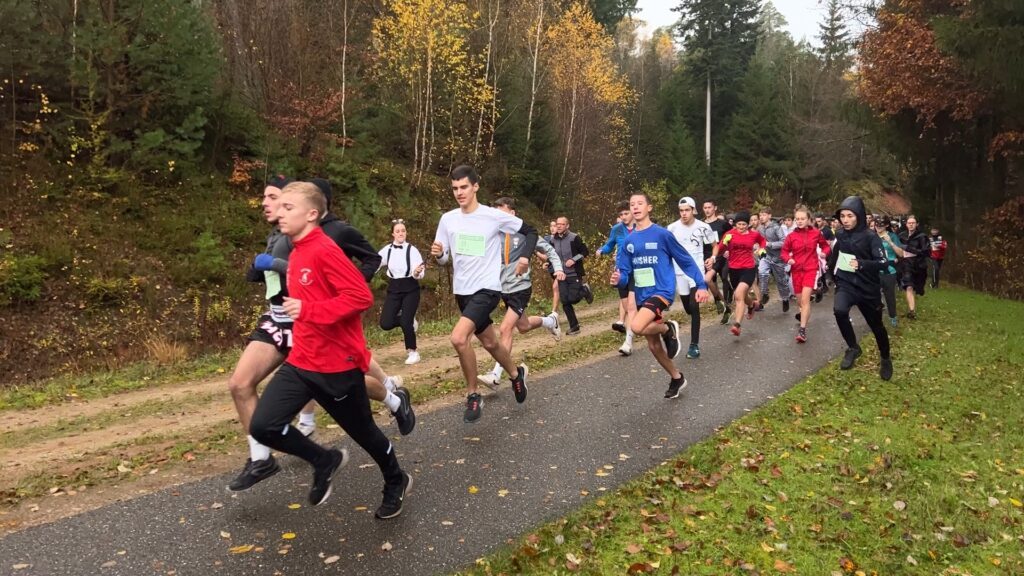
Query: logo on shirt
(629, 248)
(305, 277)
(651, 246)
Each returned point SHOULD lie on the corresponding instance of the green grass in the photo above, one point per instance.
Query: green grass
(843, 474)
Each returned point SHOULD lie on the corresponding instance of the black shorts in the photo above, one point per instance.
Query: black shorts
(745, 275)
(478, 307)
(517, 301)
(624, 292)
(720, 265)
(277, 334)
(658, 305)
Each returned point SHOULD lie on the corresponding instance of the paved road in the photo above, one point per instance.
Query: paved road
(528, 463)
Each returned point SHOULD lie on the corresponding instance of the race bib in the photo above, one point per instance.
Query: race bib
(273, 280)
(470, 245)
(643, 277)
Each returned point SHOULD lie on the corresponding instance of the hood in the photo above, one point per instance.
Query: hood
(855, 205)
(324, 187)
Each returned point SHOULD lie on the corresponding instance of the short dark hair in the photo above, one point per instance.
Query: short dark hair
(644, 194)
(465, 171)
(624, 205)
(506, 202)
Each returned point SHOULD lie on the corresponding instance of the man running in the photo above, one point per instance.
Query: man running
(647, 258)
(516, 290)
(938, 254)
(718, 265)
(698, 239)
(571, 250)
(771, 263)
(627, 304)
(914, 264)
(471, 236)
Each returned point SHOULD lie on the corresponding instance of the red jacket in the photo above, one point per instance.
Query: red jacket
(938, 246)
(801, 246)
(328, 335)
(741, 247)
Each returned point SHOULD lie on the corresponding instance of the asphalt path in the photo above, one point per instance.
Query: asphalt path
(581, 432)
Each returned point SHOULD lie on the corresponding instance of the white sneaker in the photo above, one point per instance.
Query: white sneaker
(556, 331)
(413, 358)
(306, 429)
(626, 349)
(397, 381)
(489, 379)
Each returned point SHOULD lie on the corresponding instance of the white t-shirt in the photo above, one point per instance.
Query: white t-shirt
(474, 241)
(692, 238)
(393, 257)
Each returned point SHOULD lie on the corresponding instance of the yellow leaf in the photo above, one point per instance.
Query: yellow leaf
(766, 547)
(288, 535)
(473, 489)
(1015, 502)
(245, 548)
(502, 493)
(294, 506)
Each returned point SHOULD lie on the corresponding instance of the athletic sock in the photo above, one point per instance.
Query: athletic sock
(257, 451)
(389, 384)
(392, 402)
(498, 370)
(307, 418)
(629, 337)
(547, 322)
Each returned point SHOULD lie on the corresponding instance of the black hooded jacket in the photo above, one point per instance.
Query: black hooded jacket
(350, 240)
(864, 245)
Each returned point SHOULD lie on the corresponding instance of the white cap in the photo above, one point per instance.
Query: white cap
(687, 201)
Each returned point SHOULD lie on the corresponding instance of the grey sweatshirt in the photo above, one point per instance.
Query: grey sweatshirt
(515, 243)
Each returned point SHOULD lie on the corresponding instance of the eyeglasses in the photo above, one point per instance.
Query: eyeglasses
(398, 221)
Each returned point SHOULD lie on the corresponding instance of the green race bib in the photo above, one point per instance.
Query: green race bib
(470, 245)
(643, 277)
(273, 280)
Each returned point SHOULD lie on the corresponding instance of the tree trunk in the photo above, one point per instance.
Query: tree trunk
(533, 79)
(492, 20)
(572, 126)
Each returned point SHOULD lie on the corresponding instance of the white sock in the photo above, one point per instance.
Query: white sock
(307, 418)
(257, 451)
(629, 337)
(547, 322)
(393, 402)
(497, 370)
(389, 384)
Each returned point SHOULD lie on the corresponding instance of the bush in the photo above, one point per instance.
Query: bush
(995, 265)
(103, 290)
(205, 265)
(21, 279)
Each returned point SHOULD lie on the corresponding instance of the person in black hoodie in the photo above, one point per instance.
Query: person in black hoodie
(913, 266)
(860, 258)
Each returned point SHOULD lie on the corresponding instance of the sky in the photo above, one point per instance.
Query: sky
(802, 16)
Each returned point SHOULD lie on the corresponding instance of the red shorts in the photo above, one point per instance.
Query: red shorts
(804, 279)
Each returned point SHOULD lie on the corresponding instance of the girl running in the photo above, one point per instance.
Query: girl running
(405, 268)
(893, 251)
(800, 250)
(741, 242)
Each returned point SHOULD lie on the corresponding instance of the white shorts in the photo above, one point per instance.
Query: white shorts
(684, 284)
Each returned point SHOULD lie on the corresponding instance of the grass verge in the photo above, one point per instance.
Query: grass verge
(843, 474)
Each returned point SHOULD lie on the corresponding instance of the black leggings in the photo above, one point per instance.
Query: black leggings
(342, 395)
(692, 308)
(400, 310)
(889, 291)
(871, 309)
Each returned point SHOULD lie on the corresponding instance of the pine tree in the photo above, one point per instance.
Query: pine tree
(835, 39)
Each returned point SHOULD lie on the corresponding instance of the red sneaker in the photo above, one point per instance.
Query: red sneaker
(801, 335)
(736, 329)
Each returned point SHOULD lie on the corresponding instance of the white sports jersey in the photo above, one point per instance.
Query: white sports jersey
(693, 238)
(474, 242)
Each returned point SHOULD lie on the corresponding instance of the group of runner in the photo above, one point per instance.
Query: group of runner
(312, 332)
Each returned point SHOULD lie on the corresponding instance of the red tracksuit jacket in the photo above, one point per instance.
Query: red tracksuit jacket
(328, 335)
(801, 246)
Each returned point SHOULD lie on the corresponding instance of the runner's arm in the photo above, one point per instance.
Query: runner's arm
(549, 254)
(352, 297)
(685, 261)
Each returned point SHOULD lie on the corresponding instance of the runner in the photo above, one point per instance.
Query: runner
(859, 260)
(741, 243)
(718, 265)
(571, 250)
(914, 264)
(647, 258)
(553, 229)
(470, 236)
(516, 291)
(627, 304)
(788, 225)
(771, 263)
(329, 358)
(893, 251)
(405, 269)
(698, 239)
(938, 254)
(800, 251)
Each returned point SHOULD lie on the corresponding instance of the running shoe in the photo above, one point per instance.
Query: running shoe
(912, 315)
(671, 339)
(894, 322)
(414, 358)
(519, 383)
(588, 294)
(473, 405)
(726, 315)
(619, 327)
(675, 386)
(556, 332)
(693, 351)
(785, 306)
(849, 358)
(253, 473)
(405, 416)
(797, 316)
(626, 349)
(751, 309)
(491, 380)
(885, 371)
(394, 497)
(323, 474)
(818, 296)
(764, 300)
(573, 331)
(720, 306)
(736, 329)
(801, 335)
(307, 430)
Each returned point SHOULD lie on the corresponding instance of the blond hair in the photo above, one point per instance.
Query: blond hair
(312, 194)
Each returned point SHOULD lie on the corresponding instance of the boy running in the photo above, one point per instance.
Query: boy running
(717, 265)
(647, 258)
(471, 236)
(627, 303)
(329, 358)
(698, 239)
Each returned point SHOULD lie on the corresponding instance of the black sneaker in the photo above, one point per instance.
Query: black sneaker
(675, 387)
(322, 476)
(405, 416)
(394, 497)
(797, 316)
(785, 306)
(573, 331)
(818, 296)
(726, 316)
(519, 383)
(849, 358)
(912, 315)
(885, 372)
(473, 405)
(720, 306)
(619, 327)
(253, 473)
(764, 300)
(671, 338)
(588, 294)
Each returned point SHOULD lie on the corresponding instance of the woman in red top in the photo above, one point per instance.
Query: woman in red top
(800, 250)
(740, 243)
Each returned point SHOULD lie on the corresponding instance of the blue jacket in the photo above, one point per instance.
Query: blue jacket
(652, 251)
(616, 238)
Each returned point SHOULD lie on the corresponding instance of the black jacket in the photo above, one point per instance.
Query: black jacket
(353, 243)
(917, 244)
(866, 247)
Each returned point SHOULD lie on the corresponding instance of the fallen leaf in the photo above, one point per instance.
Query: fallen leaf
(572, 558)
(109, 564)
(783, 566)
(216, 505)
(243, 549)
(447, 523)
(502, 493)
(294, 506)
(20, 566)
(601, 473)
(473, 489)
(911, 561)
(993, 501)
(386, 546)
(224, 534)
(767, 547)
(331, 559)
(1016, 502)
(288, 536)
(899, 505)
(634, 548)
